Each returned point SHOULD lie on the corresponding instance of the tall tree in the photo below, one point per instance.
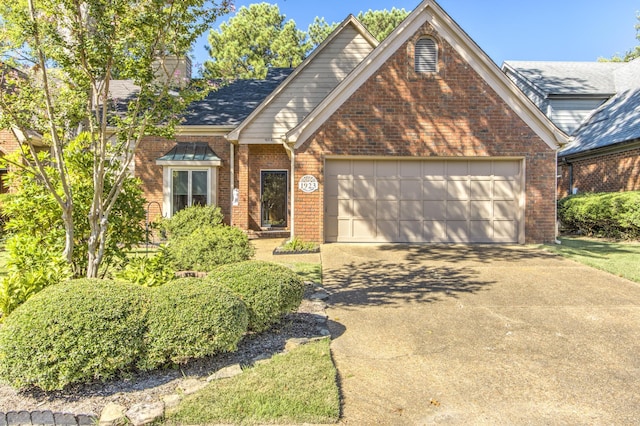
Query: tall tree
(379, 22)
(256, 38)
(68, 52)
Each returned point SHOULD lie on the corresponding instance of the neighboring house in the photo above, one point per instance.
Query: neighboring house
(598, 104)
(420, 138)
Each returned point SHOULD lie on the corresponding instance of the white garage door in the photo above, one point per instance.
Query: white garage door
(453, 201)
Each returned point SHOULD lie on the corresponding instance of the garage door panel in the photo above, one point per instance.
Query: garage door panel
(387, 189)
(410, 210)
(364, 189)
(411, 189)
(434, 190)
(481, 209)
(387, 230)
(457, 210)
(480, 169)
(434, 210)
(364, 209)
(364, 169)
(481, 189)
(364, 230)
(457, 170)
(504, 230)
(508, 169)
(426, 200)
(435, 230)
(458, 190)
(411, 169)
(457, 231)
(504, 189)
(433, 170)
(387, 209)
(411, 231)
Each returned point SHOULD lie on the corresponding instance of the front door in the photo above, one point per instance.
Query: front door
(273, 196)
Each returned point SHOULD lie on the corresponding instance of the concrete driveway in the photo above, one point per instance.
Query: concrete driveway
(480, 335)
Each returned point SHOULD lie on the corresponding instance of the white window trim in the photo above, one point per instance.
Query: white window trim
(167, 183)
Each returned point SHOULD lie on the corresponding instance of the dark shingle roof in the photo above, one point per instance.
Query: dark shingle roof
(227, 106)
(569, 78)
(232, 103)
(616, 121)
(190, 151)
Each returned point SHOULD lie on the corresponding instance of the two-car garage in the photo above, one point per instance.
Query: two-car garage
(424, 200)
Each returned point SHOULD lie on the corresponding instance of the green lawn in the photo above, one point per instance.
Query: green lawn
(293, 388)
(619, 258)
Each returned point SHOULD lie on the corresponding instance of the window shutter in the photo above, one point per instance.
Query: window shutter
(426, 55)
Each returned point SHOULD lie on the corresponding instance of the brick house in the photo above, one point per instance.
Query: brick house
(598, 105)
(419, 138)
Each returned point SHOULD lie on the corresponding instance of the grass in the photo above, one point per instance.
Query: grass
(295, 387)
(618, 258)
(308, 271)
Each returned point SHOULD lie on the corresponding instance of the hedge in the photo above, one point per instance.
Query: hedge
(609, 215)
(269, 290)
(77, 331)
(191, 318)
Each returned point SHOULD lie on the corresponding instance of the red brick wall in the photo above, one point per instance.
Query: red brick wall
(606, 173)
(152, 148)
(8, 144)
(452, 114)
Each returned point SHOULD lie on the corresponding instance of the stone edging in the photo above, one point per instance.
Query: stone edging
(45, 418)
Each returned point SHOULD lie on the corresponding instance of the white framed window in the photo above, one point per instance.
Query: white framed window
(426, 55)
(189, 188)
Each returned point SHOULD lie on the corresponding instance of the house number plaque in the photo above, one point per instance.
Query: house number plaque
(308, 183)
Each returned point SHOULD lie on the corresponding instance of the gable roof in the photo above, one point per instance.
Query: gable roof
(567, 78)
(449, 30)
(232, 103)
(351, 22)
(616, 121)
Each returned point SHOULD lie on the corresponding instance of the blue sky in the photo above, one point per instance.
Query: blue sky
(540, 30)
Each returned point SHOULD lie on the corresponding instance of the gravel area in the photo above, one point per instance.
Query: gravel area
(308, 321)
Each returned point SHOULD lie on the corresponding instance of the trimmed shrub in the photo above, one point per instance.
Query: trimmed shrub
(191, 219)
(609, 215)
(191, 318)
(148, 271)
(209, 247)
(77, 331)
(269, 290)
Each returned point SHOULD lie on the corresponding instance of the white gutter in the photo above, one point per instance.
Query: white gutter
(232, 177)
(292, 156)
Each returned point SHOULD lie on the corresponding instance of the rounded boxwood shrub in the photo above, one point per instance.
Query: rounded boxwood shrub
(209, 247)
(269, 290)
(192, 219)
(191, 318)
(76, 331)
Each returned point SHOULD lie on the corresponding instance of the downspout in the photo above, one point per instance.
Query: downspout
(292, 191)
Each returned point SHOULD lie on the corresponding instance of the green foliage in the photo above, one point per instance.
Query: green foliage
(199, 241)
(611, 215)
(190, 318)
(35, 223)
(148, 271)
(189, 220)
(269, 290)
(255, 39)
(77, 331)
(296, 244)
(32, 266)
(210, 247)
(380, 24)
